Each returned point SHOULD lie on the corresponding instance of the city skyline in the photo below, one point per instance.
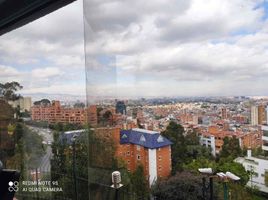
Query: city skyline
(193, 48)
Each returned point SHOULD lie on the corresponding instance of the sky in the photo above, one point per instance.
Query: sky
(142, 48)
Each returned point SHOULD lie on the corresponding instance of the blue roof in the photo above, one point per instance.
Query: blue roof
(145, 138)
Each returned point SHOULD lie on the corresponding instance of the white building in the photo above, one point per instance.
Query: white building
(254, 115)
(265, 138)
(24, 103)
(209, 142)
(258, 168)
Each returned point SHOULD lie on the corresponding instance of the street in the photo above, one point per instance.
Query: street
(47, 136)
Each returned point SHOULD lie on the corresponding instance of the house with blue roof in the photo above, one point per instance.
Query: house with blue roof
(147, 148)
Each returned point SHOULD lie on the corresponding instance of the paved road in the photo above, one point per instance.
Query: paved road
(47, 136)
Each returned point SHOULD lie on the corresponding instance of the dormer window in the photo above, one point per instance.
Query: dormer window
(160, 139)
(124, 136)
(142, 139)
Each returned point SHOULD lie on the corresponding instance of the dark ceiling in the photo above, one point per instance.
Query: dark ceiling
(16, 13)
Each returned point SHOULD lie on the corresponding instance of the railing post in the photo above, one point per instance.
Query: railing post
(204, 188)
(211, 187)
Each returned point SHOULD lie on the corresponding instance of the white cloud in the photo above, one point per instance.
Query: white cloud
(160, 48)
(46, 72)
(7, 71)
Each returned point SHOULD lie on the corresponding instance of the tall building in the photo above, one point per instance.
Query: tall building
(254, 115)
(261, 115)
(266, 110)
(24, 103)
(265, 138)
(147, 148)
(208, 141)
(92, 116)
(224, 113)
(135, 147)
(120, 107)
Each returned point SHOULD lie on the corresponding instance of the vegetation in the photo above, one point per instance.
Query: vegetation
(174, 133)
(230, 148)
(57, 126)
(28, 149)
(44, 102)
(139, 183)
(79, 105)
(8, 90)
(185, 147)
(188, 156)
(181, 186)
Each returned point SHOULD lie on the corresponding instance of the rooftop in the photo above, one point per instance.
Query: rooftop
(145, 138)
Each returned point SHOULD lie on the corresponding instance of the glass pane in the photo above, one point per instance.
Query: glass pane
(46, 58)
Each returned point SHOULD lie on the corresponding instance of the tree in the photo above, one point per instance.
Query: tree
(8, 90)
(192, 138)
(200, 163)
(139, 183)
(44, 102)
(236, 168)
(197, 151)
(79, 105)
(184, 185)
(107, 117)
(174, 133)
(230, 148)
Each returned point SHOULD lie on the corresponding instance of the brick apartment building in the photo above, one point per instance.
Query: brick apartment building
(54, 113)
(213, 137)
(134, 147)
(148, 148)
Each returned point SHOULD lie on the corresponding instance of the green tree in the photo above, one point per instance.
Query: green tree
(235, 168)
(44, 102)
(174, 133)
(230, 148)
(139, 183)
(107, 117)
(79, 105)
(184, 185)
(192, 138)
(200, 163)
(8, 90)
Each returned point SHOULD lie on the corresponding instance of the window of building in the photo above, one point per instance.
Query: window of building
(265, 133)
(160, 139)
(128, 153)
(142, 138)
(138, 157)
(138, 147)
(266, 179)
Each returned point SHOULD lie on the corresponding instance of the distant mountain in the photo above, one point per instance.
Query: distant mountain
(60, 97)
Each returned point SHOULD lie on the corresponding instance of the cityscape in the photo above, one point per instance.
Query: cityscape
(136, 134)
(134, 100)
